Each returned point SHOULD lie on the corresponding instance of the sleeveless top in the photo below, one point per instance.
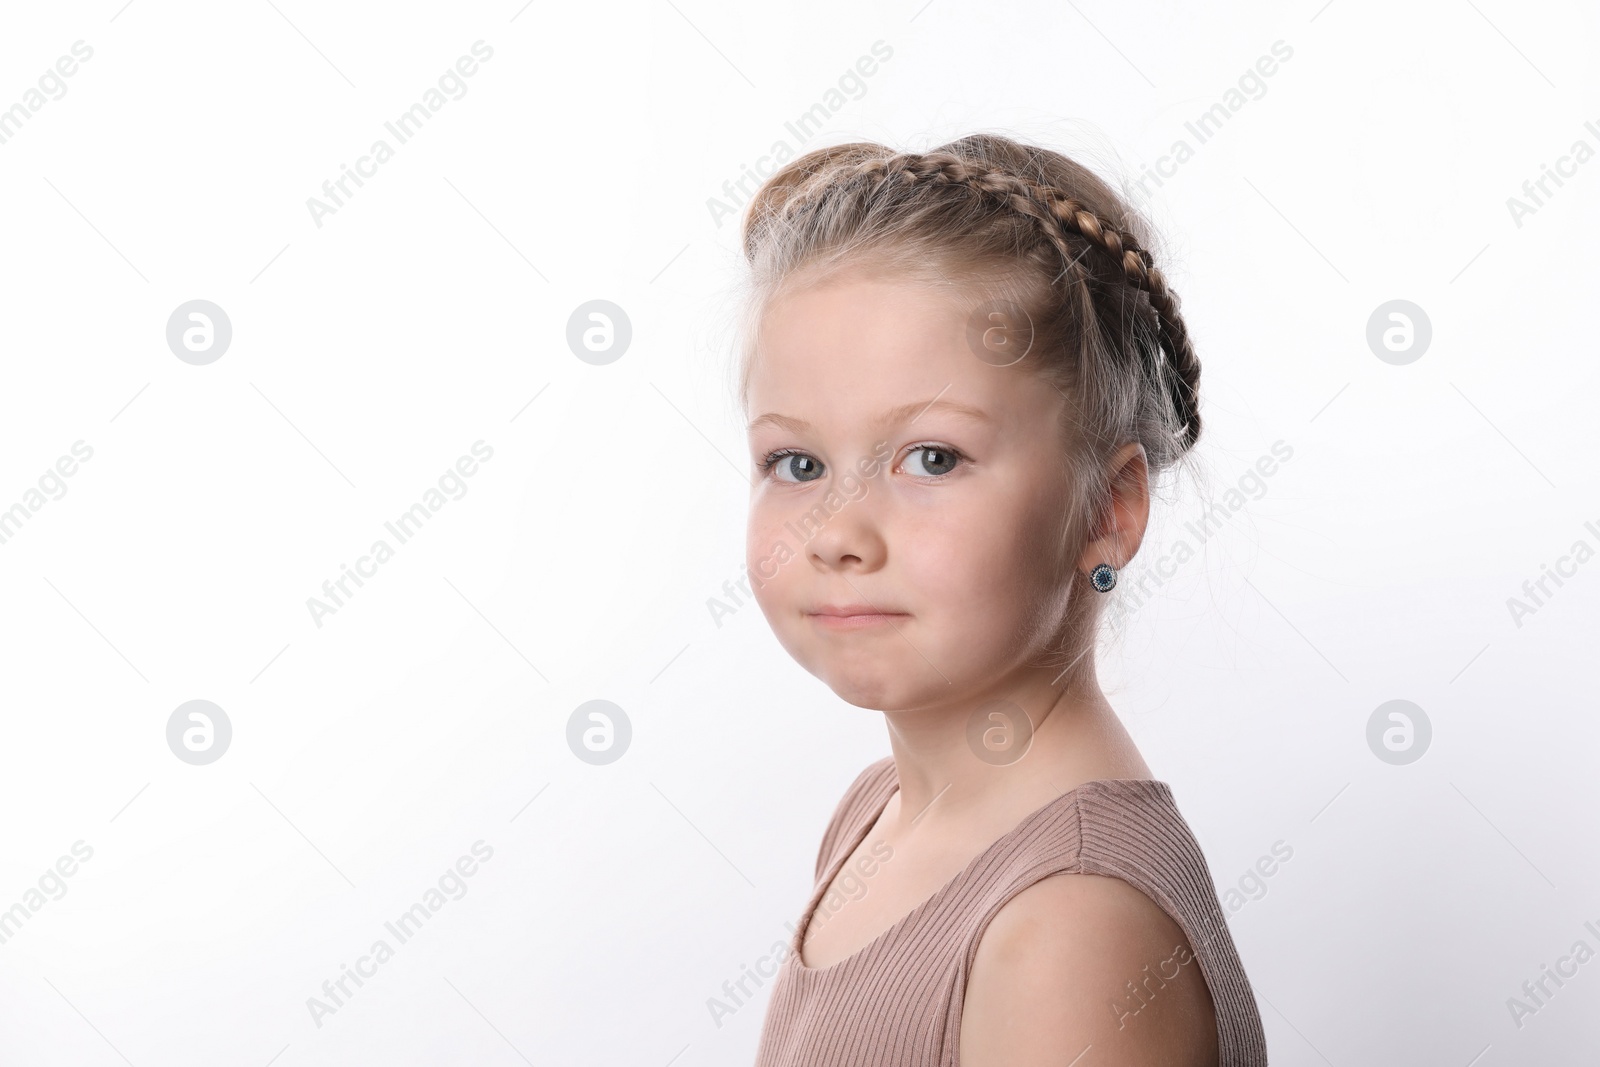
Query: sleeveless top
(897, 1001)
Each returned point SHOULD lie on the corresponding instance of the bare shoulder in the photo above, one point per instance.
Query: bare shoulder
(1085, 963)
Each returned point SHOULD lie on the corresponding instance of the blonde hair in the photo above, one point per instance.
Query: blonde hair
(1006, 224)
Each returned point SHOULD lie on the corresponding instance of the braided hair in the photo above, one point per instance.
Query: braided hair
(846, 201)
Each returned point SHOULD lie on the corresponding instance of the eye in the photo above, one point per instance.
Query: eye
(937, 461)
(792, 461)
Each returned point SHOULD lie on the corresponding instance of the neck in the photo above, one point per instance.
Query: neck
(975, 756)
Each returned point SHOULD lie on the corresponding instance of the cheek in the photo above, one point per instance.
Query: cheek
(769, 553)
(989, 571)
(980, 552)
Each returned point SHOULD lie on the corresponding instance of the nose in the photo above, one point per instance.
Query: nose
(847, 537)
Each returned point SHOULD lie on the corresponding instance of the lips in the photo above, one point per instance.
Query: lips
(845, 610)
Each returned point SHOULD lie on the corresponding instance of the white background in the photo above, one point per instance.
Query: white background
(429, 712)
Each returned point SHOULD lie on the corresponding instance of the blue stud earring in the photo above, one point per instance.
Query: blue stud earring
(1103, 577)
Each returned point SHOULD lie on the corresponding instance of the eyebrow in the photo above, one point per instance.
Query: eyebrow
(894, 415)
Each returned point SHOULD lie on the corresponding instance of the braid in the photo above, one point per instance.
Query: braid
(1058, 215)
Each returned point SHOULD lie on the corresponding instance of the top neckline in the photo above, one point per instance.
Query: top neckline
(890, 786)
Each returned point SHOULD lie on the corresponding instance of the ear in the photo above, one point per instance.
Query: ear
(1120, 529)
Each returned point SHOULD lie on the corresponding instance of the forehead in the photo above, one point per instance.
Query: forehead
(860, 341)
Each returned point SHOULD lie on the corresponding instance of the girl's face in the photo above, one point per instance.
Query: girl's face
(912, 479)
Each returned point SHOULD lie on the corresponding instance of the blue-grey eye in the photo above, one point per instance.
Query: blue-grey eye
(943, 460)
(802, 467)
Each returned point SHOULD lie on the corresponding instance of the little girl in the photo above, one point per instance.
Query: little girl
(962, 370)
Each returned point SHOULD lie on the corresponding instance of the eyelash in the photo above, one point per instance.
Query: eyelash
(772, 458)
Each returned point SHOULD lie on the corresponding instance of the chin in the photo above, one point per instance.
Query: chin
(866, 699)
(875, 686)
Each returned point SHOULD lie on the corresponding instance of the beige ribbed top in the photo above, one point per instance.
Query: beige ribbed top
(897, 1001)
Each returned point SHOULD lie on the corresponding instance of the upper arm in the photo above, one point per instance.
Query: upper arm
(1084, 963)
